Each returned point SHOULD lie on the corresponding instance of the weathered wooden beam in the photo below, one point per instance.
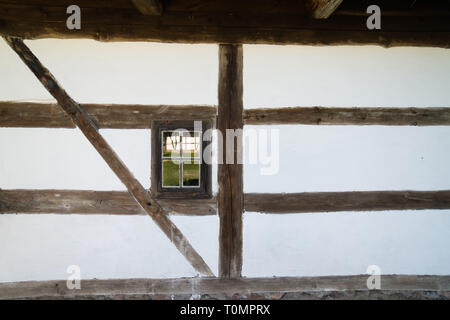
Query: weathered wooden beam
(254, 22)
(90, 131)
(346, 201)
(112, 116)
(349, 116)
(149, 7)
(105, 116)
(397, 8)
(94, 202)
(121, 203)
(321, 9)
(230, 178)
(400, 285)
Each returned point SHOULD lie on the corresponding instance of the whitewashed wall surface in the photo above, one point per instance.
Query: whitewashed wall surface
(312, 158)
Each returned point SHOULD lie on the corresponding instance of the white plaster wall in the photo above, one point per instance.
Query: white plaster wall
(341, 158)
(40, 247)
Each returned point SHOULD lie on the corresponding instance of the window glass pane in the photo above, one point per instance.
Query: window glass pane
(191, 173)
(191, 144)
(171, 173)
(170, 144)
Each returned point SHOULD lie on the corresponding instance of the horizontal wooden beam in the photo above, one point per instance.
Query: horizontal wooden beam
(349, 116)
(120, 203)
(225, 288)
(397, 8)
(112, 116)
(234, 22)
(346, 201)
(94, 202)
(119, 116)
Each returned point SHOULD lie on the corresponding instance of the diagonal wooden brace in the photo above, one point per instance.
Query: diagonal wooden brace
(90, 130)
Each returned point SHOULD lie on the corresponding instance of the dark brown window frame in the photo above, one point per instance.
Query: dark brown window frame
(157, 190)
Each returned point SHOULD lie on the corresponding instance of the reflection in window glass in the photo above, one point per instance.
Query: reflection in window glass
(181, 159)
(191, 145)
(191, 173)
(171, 144)
(170, 173)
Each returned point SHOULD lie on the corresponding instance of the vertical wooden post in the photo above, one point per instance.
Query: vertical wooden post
(230, 179)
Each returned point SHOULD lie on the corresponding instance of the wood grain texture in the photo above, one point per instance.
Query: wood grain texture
(94, 202)
(106, 116)
(232, 21)
(321, 9)
(346, 201)
(230, 177)
(349, 116)
(90, 131)
(121, 202)
(118, 116)
(149, 7)
(202, 286)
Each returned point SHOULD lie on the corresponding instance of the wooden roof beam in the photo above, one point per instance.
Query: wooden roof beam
(149, 7)
(321, 9)
(231, 22)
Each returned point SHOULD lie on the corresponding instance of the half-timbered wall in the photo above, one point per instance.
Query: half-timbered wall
(312, 158)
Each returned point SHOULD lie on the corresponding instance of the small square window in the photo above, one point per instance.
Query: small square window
(178, 169)
(180, 157)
